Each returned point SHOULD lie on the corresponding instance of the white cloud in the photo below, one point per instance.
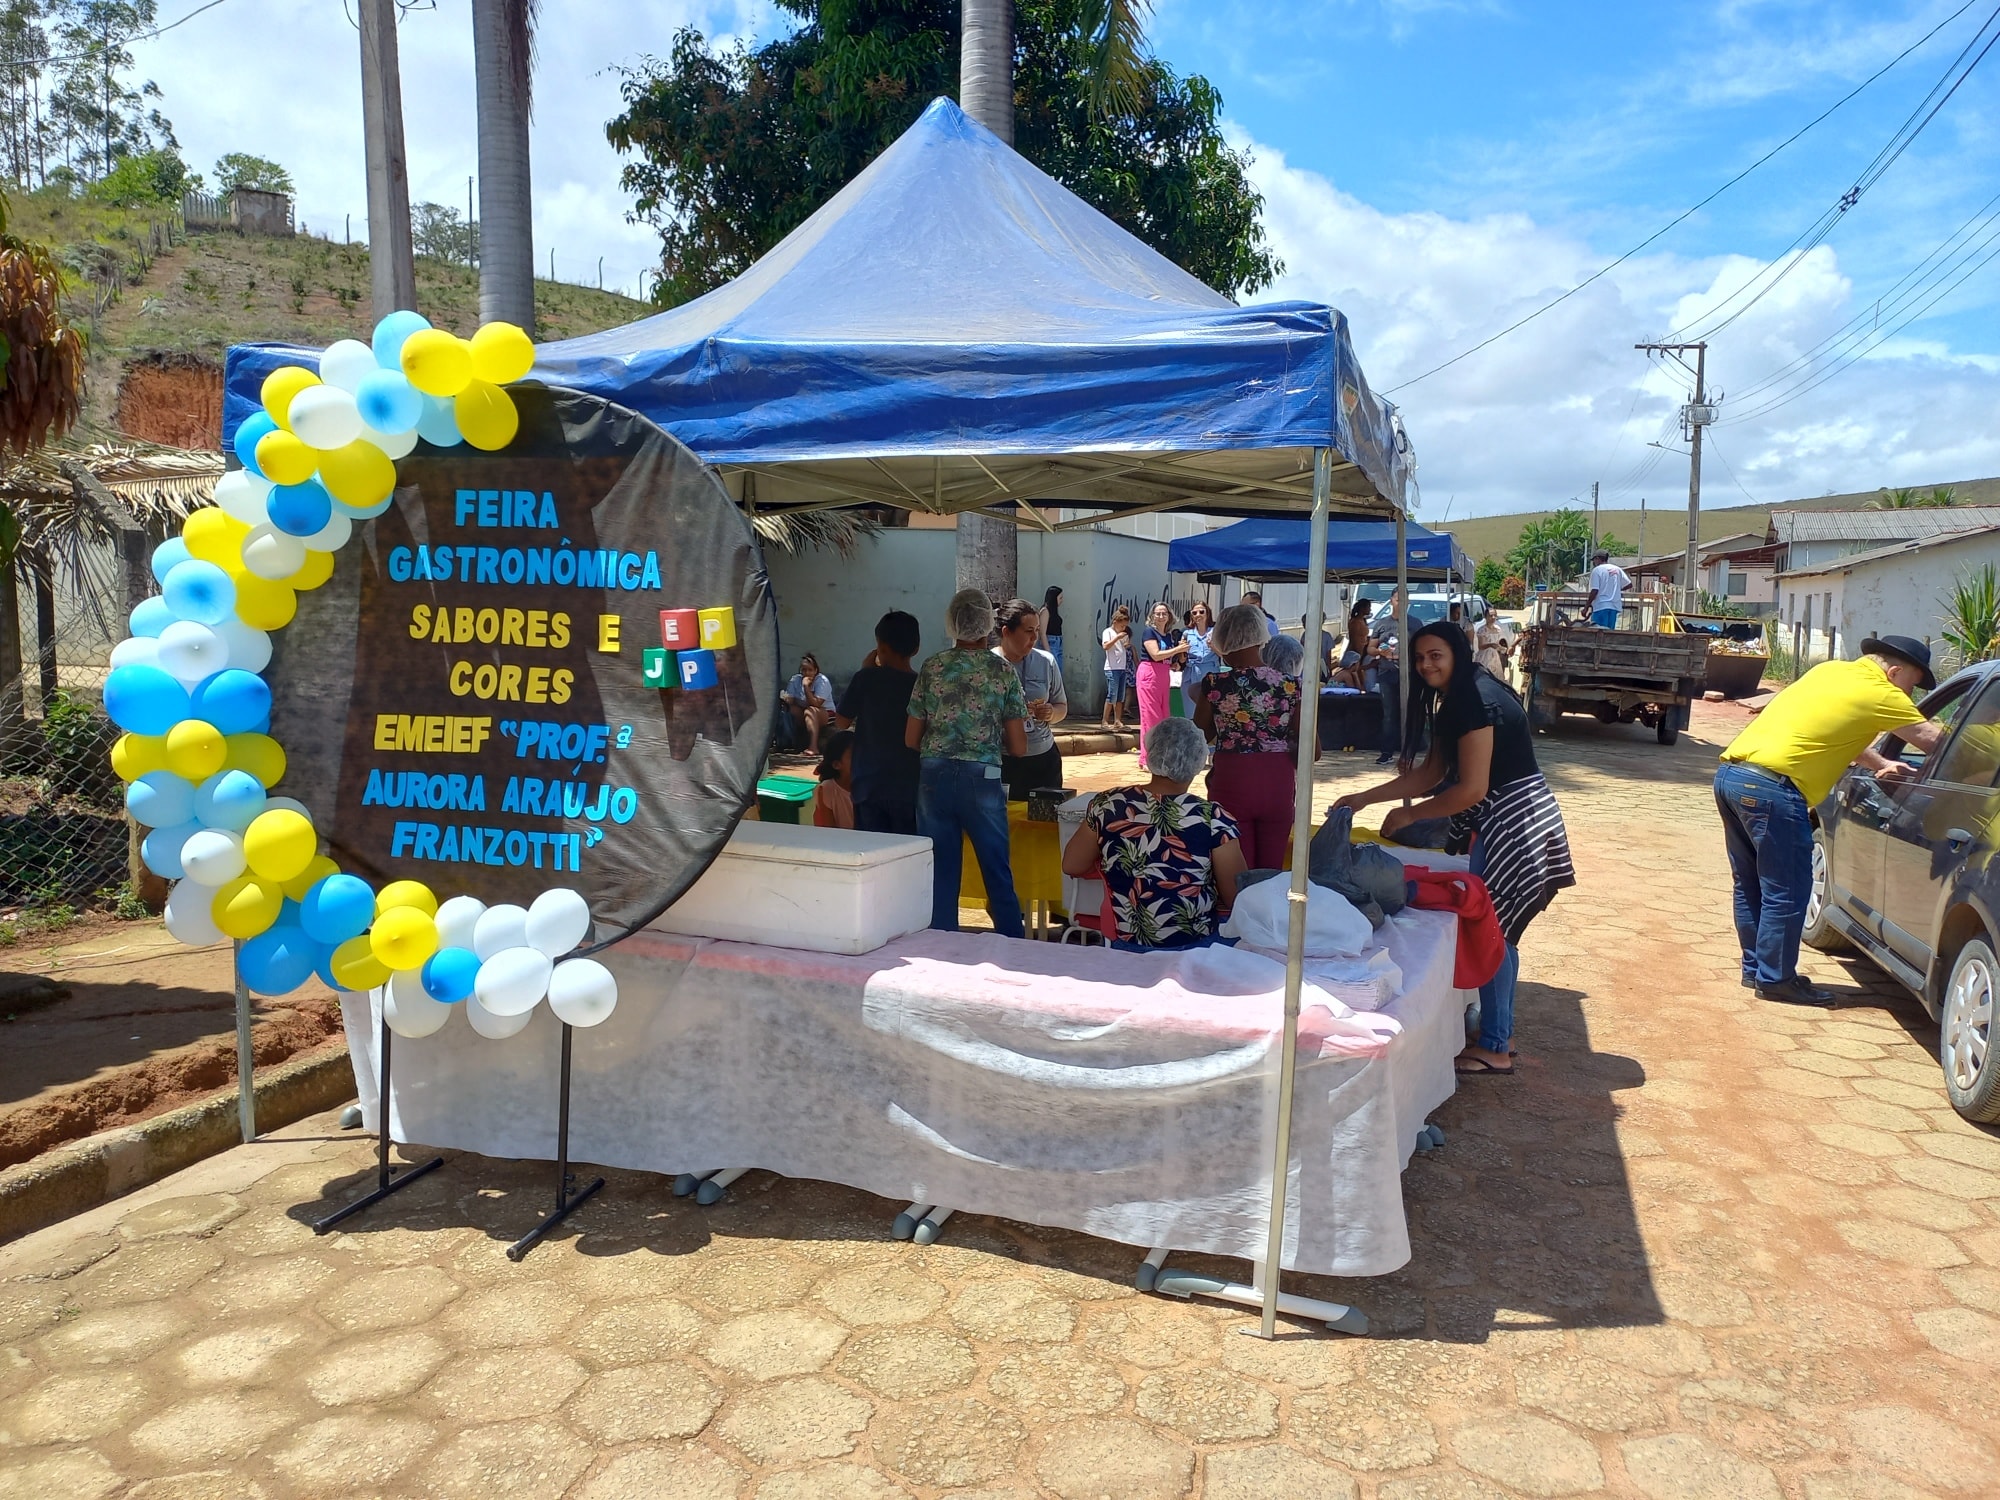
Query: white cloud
(1530, 421)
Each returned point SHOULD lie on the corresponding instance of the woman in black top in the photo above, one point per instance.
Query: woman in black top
(1050, 623)
(1480, 738)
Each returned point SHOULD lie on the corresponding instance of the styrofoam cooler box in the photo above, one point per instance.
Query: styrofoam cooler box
(828, 890)
(1078, 895)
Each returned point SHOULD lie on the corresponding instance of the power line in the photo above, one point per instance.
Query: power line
(1680, 218)
(25, 64)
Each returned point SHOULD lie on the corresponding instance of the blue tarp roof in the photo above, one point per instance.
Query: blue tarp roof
(955, 301)
(1273, 551)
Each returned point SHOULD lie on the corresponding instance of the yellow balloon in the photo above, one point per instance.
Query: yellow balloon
(133, 755)
(437, 363)
(279, 844)
(486, 416)
(247, 905)
(214, 536)
(502, 352)
(359, 474)
(263, 603)
(310, 876)
(410, 893)
(285, 459)
(356, 967)
(195, 749)
(258, 754)
(280, 386)
(403, 937)
(318, 568)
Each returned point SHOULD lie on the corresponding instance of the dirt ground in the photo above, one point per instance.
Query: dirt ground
(1699, 1248)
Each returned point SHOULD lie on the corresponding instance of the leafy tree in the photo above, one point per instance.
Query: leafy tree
(1972, 616)
(24, 57)
(1552, 548)
(1487, 578)
(259, 174)
(735, 148)
(1513, 593)
(441, 233)
(146, 177)
(100, 115)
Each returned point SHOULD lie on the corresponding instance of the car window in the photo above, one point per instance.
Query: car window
(1972, 756)
(1945, 705)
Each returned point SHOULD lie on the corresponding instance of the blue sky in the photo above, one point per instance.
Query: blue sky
(1435, 168)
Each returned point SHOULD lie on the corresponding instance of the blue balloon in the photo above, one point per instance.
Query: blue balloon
(233, 700)
(160, 799)
(438, 426)
(173, 550)
(161, 849)
(199, 591)
(337, 908)
(151, 616)
(388, 402)
(390, 333)
(228, 799)
(144, 700)
(300, 509)
(323, 967)
(448, 974)
(248, 435)
(277, 960)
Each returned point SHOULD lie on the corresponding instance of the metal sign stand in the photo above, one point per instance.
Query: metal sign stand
(566, 1204)
(385, 1182)
(246, 1053)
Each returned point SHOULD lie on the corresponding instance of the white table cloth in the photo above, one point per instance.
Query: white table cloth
(1128, 1096)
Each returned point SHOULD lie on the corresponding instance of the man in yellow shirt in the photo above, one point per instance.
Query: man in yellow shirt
(1784, 764)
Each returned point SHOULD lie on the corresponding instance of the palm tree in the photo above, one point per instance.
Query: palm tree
(503, 59)
(1888, 499)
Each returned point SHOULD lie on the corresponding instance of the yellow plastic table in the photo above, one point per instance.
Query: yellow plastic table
(1035, 852)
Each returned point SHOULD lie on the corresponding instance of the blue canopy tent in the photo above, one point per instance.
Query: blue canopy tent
(956, 331)
(1274, 551)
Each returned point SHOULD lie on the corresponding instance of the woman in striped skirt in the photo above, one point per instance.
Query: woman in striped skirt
(1482, 756)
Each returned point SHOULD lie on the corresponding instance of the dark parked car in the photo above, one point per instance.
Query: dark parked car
(1905, 871)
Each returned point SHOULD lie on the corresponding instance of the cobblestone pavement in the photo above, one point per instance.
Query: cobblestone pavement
(1698, 1249)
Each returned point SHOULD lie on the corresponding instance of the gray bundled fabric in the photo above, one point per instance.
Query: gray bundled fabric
(1369, 876)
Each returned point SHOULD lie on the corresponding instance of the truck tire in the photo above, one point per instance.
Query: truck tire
(1819, 933)
(1967, 1035)
(1669, 728)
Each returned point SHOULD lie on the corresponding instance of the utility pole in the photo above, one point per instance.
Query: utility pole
(392, 267)
(1594, 532)
(1642, 528)
(1696, 415)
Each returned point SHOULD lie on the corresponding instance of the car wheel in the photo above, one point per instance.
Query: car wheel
(1819, 932)
(1965, 1034)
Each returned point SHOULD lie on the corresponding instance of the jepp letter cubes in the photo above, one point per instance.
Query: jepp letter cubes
(658, 668)
(718, 628)
(698, 669)
(680, 629)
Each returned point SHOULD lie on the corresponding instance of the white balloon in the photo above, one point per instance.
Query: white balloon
(290, 804)
(498, 929)
(333, 535)
(191, 914)
(513, 981)
(244, 496)
(557, 921)
(324, 417)
(136, 651)
(582, 992)
(408, 1011)
(191, 652)
(364, 512)
(346, 363)
(271, 553)
(249, 647)
(457, 919)
(395, 444)
(213, 857)
(495, 1028)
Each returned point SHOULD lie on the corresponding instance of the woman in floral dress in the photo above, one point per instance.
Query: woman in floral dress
(1251, 712)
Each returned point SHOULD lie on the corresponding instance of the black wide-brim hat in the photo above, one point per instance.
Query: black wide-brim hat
(1909, 649)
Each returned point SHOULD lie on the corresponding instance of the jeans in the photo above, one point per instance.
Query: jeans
(958, 800)
(1768, 831)
(885, 817)
(1389, 683)
(1604, 619)
(1055, 648)
(1496, 996)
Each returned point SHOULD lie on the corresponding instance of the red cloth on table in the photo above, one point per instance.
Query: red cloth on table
(1481, 944)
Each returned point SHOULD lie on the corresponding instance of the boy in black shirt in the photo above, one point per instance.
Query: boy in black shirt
(876, 706)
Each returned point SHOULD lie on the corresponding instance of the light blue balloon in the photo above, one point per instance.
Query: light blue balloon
(249, 433)
(277, 960)
(233, 700)
(160, 799)
(336, 909)
(161, 849)
(228, 799)
(199, 591)
(388, 402)
(144, 700)
(300, 509)
(390, 333)
(448, 974)
(173, 550)
(438, 426)
(151, 616)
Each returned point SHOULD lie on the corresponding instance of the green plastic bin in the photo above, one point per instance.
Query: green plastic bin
(781, 799)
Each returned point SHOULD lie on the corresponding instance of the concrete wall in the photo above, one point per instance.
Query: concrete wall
(1903, 595)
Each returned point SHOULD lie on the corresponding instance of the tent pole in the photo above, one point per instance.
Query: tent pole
(1295, 937)
(1403, 625)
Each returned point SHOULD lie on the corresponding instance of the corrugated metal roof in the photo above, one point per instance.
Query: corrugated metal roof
(1879, 525)
(1903, 549)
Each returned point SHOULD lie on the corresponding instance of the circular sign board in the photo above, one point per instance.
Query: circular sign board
(552, 665)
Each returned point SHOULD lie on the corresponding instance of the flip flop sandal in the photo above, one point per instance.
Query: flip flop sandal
(1479, 1066)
